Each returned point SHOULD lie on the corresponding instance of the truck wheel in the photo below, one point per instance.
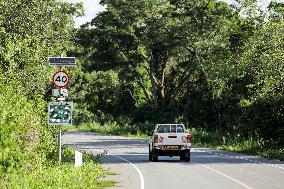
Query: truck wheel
(150, 155)
(187, 156)
(181, 157)
(154, 156)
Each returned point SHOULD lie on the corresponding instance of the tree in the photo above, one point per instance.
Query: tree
(30, 31)
(157, 41)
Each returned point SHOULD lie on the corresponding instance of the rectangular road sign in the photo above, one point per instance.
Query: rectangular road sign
(64, 92)
(60, 92)
(61, 61)
(60, 113)
(55, 92)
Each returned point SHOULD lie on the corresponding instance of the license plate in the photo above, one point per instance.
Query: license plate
(171, 147)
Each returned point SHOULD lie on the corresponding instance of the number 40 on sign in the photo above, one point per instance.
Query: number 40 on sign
(60, 79)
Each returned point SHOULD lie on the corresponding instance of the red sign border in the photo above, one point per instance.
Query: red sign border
(62, 87)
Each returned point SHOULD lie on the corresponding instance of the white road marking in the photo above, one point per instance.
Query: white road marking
(137, 169)
(142, 182)
(231, 178)
(278, 167)
(254, 161)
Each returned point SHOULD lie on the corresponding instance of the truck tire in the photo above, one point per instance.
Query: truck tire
(181, 157)
(154, 156)
(187, 156)
(150, 154)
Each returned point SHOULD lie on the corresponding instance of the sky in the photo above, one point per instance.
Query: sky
(92, 7)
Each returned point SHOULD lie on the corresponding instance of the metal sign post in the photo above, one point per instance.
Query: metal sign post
(60, 112)
(59, 145)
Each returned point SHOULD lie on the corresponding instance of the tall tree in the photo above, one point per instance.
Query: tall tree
(157, 41)
(30, 31)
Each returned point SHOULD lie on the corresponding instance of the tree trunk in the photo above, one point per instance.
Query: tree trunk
(154, 82)
(183, 79)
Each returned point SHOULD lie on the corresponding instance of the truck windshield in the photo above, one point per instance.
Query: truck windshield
(170, 129)
(164, 129)
(180, 129)
(173, 128)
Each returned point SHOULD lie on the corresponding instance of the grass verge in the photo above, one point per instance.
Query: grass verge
(251, 145)
(113, 128)
(36, 176)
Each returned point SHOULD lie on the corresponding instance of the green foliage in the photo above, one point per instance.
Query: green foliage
(28, 150)
(38, 29)
(64, 176)
(124, 128)
(31, 31)
(18, 123)
(210, 65)
(254, 145)
(94, 92)
(153, 45)
(26, 141)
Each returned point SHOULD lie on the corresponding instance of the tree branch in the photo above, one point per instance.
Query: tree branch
(140, 82)
(147, 69)
(185, 76)
(130, 93)
(153, 80)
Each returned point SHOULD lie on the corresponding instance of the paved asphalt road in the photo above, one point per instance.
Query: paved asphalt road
(212, 169)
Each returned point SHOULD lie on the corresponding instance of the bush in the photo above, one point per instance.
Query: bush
(54, 176)
(18, 127)
(254, 145)
(28, 148)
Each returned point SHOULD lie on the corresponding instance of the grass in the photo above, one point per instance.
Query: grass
(33, 176)
(252, 145)
(113, 128)
(64, 176)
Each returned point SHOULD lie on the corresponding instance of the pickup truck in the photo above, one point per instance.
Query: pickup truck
(169, 140)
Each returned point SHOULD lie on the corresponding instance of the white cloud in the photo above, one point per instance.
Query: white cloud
(91, 7)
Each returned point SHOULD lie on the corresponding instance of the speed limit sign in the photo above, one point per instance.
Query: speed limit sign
(60, 79)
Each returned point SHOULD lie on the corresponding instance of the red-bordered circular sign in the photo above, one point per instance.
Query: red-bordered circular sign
(60, 79)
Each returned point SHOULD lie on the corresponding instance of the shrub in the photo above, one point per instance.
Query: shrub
(18, 127)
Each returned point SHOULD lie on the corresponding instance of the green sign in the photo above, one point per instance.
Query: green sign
(60, 113)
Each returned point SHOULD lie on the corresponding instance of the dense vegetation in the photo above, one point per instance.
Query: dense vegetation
(218, 68)
(31, 31)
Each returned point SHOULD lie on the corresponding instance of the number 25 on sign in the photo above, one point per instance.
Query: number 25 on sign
(60, 79)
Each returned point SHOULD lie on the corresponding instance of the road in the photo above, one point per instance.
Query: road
(208, 168)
